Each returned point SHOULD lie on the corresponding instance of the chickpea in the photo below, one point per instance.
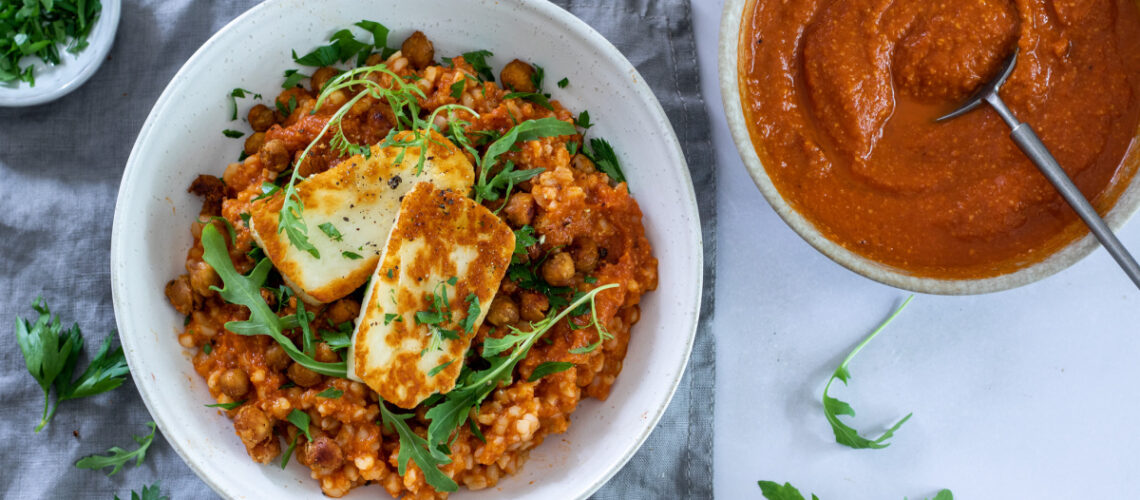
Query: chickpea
(252, 425)
(202, 277)
(180, 295)
(585, 252)
(274, 155)
(254, 142)
(533, 306)
(558, 270)
(276, 358)
(302, 376)
(419, 50)
(518, 76)
(325, 354)
(503, 311)
(520, 209)
(321, 77)
(261, 118)
(323, 455)
(373, 60)
(343, 310)
(234, 382)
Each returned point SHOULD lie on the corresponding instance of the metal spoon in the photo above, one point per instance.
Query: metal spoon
(1032, 146)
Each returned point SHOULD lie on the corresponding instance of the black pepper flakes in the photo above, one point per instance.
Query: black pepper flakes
(394, 182)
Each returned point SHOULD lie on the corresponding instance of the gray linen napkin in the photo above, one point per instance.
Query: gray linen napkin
(60, 166)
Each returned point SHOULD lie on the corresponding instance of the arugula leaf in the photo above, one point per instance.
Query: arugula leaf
(416, 448)
(330, 393)
(151, 492)
(478, 61)
(775, 491)
(504, 181)
(301, 420)
(549, 368)
(526, 131)
(51, 353)
(227, 406)
(453, 411)
(606, 160)
(119, 457)
(339, 339)
(833, 408)
(246, 291)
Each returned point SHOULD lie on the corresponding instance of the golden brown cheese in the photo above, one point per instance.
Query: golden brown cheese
(360, 199)
(438, 235)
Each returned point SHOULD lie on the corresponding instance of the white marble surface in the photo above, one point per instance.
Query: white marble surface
(1028, 393)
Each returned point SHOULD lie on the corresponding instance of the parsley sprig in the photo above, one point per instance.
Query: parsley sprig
(151, 492)
(833, 408)
(246, 290)
(776, 491)
(117, 457)
(50, 353)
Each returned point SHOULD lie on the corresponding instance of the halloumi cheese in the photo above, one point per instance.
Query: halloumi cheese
(438, 235)
(359, 199)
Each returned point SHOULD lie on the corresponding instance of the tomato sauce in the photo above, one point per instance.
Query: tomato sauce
(841, 97)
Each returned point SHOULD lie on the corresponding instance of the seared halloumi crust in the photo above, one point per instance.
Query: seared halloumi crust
(360, 198)
(438, 235)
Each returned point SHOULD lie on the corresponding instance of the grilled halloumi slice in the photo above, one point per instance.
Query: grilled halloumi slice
(414, 329)
(357, 202)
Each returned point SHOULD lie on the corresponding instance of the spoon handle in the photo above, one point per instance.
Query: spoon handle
(1028, 141)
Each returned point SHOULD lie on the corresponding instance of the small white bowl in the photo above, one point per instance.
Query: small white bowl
(53, 82)
(182, 138)
(1068, 255)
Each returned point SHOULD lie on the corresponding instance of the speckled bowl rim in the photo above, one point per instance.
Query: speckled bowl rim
(1126, 204)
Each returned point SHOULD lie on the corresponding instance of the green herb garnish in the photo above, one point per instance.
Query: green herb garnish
(563, 83)
(330, 393)
(473, 387)
(39, 29)
(227, 406)
(119, 457)
(605, 158)
(776, 491)
(478, 61)
(330, 230)
(246, 291)
(235, 94)
(148, 493)
(50, 353)
(435, 371)
(833, 408)
(351, 255)
(232, 134)
(414, 447)
(549, 368)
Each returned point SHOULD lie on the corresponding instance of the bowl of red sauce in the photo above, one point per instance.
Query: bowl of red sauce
(832, 106)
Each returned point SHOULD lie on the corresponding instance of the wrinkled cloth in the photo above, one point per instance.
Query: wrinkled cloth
(61, 163)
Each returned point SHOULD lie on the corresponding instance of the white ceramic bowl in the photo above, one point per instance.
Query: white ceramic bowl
(182, 138)
(53, 82)
(1125, 206)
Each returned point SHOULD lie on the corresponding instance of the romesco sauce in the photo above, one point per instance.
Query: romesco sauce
(841, 97)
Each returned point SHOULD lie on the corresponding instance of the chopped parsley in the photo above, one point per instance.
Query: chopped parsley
(330, 393)
(232, 134)
(351, 255)
(227, 406)
(563, 83)
(40, 29)
(478, 61)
